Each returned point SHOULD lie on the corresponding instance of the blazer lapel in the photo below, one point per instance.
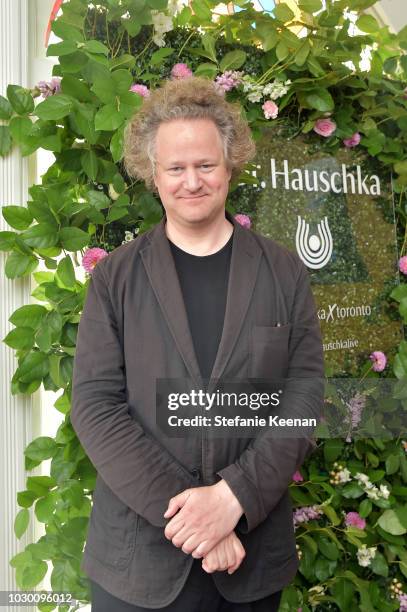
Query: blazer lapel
(161, 271)
(245, 260)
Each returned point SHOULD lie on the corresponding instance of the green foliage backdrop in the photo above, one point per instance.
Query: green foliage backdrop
(85, 200)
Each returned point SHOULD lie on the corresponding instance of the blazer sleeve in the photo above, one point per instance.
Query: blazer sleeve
(142, 473)
(262, 473)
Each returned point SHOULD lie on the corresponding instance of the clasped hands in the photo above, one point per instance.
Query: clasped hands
(202, 524)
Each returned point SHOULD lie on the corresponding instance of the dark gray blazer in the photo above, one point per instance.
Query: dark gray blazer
(133, 330)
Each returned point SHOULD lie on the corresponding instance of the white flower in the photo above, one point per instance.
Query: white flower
(255, 95)
(373, 493)
(162, 24)
(343, 476)
(365, 555)
(112, 192)
(362, 478)
(129, 236)
(276, 89)
(384, 491)
(174, 7)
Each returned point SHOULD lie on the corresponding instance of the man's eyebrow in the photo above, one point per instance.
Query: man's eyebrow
(198, 161)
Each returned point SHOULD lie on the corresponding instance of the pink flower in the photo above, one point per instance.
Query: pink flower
(353, 141)
(228, 80)
(403, 264)
(325, 127)
(49, 88)
(181, 71)
(379, 361)
(243, 220)
(403, 602)
(353, 519)
(297, 476)
(305, 514)
(142, 90)
(91, 258)
(270, 109)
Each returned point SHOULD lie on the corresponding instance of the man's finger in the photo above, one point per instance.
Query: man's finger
(175, 504)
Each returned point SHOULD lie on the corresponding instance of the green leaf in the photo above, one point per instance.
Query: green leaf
(74, 87)
(63, 576)
(89, 161)
(282, 51)
(392, 464)
(63, 48)
(45, 507)
(40, 484)
(202, 10)
(5, 140)
(158, 5)
(206, 70)
(21, 522)
(210, 46)
(18, 217)
(324, 568)
(116, 145)
(379, 565)
(320, 99)
(328, 548)
(302, 53)
(367, 23)
(73, 238)
(7, 240)
(66, 272)
(28, 316)
(25, 499)
(20, 99)
(54, 107)
(233, 60)
(343, 592)
(160, 55)
(33, 366)
(31, 575)
(95, 46)
(365, 508)
(42, 235)
(98, 199)
(332, 449)
(283, 13)
(352, 490)
(21, 338)
(18, 264)
(63, 404)
(41, 448)
(310, 6)
(390, 522)
(66, 31)
(108, 118)
(6, 110)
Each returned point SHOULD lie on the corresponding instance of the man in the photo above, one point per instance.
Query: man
(197, 298)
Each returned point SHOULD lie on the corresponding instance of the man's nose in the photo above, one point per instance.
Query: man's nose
(192, 180)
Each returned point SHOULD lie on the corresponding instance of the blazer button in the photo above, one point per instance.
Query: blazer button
(196, 473)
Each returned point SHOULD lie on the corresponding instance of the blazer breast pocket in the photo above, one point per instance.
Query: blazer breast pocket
(268, 358)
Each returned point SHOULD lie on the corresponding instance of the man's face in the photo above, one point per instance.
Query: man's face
(191, 175)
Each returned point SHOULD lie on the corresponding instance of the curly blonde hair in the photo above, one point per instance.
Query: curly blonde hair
(190, 98)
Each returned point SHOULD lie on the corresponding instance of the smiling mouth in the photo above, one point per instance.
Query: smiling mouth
(193, 197)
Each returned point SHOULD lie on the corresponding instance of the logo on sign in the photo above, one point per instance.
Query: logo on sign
(315, 250)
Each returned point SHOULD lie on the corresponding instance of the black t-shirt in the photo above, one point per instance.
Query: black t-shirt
(204, 284)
